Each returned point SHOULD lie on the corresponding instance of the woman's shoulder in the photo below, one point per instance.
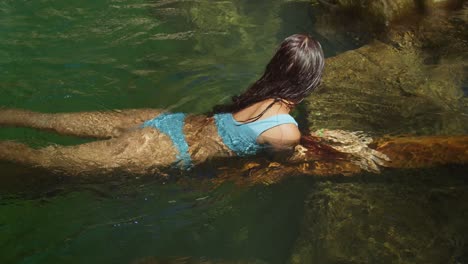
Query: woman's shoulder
(281, 136)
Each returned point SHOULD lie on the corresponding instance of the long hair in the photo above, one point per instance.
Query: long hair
(291, 75)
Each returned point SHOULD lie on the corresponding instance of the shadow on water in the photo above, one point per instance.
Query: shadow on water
(140, 218)
(408, 215)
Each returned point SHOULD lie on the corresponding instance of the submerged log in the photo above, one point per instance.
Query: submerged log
(403, 152)
(418, 152)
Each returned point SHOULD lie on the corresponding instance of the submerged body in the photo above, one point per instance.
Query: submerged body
(240, 138)
(143, 141)
(131, 148)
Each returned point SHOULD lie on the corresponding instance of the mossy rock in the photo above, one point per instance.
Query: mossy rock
(409, 81)
(386, 11)
(410, 221)
(385, 89)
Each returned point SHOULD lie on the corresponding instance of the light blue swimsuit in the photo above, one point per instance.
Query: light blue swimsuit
(242, 137)
(239, 137)
(172, 124)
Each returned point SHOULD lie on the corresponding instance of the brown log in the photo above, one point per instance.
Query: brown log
(404, 152)
(419, 152)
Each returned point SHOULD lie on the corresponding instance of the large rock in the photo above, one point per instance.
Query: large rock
(383, 89)
(411, 81)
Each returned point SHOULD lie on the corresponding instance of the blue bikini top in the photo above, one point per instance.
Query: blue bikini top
(242, 137)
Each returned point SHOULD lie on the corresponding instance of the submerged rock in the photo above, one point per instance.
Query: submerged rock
(231, 24)
(416, 218)
(408, 81)
(192, 260)
(386, 11)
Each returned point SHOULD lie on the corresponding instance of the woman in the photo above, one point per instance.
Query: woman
(143, 140)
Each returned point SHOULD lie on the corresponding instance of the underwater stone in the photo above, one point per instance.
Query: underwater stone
(386, 11)
(415, 218)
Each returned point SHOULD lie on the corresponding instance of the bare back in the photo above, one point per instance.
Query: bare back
(281, 136)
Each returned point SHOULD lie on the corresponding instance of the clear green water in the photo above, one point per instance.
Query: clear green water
(98, 55)
(121, 54)
(58, 56)
(125, 221)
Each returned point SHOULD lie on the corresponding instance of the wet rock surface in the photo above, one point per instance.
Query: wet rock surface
(386, 11)
(408, 81)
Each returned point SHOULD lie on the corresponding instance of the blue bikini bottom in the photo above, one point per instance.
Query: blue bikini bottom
(172, 124)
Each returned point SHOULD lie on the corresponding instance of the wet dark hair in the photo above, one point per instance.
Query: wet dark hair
(291, 75)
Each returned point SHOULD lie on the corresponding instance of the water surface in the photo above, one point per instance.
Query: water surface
(183, 56)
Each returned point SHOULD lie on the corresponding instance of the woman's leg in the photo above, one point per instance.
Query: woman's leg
(140, 151)
(83, 124)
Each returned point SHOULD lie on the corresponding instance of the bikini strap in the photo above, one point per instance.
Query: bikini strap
(257, 117)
